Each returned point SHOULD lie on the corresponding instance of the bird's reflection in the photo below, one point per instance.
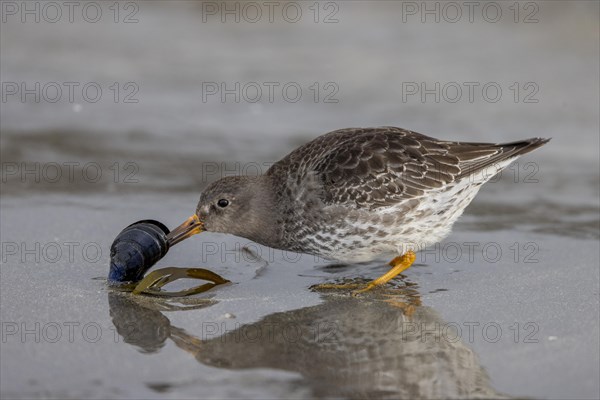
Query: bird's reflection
(385, 345)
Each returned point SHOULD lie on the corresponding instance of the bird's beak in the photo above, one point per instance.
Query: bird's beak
(190, 227)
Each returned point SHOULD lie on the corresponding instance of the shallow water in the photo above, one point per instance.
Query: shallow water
(506, 306)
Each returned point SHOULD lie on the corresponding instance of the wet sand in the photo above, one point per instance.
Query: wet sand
(459, 323)
(506, 306)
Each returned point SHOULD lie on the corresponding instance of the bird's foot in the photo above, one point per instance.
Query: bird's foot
(357, 288)
(365, 288)
(335, 286)
(398, 264)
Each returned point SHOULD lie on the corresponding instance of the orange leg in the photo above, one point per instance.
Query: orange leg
(398, 264)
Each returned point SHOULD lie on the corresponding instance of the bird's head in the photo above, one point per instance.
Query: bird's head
(239, 205)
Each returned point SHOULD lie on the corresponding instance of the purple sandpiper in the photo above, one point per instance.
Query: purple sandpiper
(355, 195)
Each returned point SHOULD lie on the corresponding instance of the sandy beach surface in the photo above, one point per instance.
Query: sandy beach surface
(506, 306)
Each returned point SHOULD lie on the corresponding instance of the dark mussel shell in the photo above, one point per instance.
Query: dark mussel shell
(135, 250)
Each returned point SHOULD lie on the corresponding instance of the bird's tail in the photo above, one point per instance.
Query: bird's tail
(475, 157)
(523, 146)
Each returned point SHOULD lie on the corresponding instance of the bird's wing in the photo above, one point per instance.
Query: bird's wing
(379, 167)
(374, 168)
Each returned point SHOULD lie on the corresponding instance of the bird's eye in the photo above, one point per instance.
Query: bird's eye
(223, 203)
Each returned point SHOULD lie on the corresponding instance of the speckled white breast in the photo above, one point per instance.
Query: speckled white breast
(388, 232)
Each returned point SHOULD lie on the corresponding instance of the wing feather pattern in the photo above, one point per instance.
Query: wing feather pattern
(378, 167)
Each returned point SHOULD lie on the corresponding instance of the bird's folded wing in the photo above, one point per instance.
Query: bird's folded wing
(379, 167)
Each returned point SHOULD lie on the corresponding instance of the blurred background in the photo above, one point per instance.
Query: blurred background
(113, 111)
(170, 86)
